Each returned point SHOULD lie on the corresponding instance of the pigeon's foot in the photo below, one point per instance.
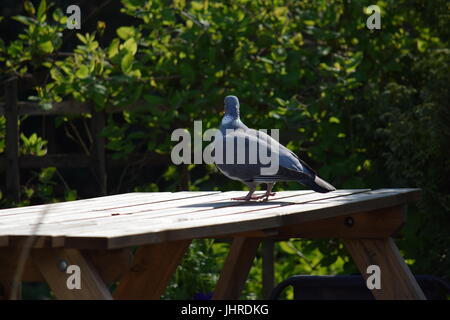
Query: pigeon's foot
(247, 198)
(264, 196)
(240, 199)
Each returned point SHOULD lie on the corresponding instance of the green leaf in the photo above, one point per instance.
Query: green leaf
(132, 4)
(126, 62)
(281, 102)
(29, 8)
(46, 46)
(179, 4)
(130, 45)
(334, 120)
(24, 20)
(82, 72)
(196, 5)
(46, 105)
(46, 174)
(113, 48)
(154, 100)
(354, 62)
(41, 11)
(421, 45)
(70, 195)
(125, 32)
(56, 75)
(286, 248)
(82, 38)
(59, 16)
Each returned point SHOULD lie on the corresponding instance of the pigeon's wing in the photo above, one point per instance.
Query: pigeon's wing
(235, 162)
(288, 159)
(245, 163)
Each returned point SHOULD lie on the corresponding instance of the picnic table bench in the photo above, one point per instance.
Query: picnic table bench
(97, 235)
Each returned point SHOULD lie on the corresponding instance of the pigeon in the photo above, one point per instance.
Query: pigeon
(290, 167)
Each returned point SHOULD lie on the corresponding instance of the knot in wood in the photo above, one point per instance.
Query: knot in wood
(349, 221)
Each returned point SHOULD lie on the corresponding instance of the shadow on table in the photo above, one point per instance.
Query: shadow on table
(237, 203)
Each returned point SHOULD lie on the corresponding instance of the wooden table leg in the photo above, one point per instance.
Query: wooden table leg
(6, 289)
(268, 267)
(51, 262)
(397, 281)
(237, 266)
(153, 266)
(9, 259)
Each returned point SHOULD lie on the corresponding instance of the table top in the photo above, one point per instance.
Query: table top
(130, 219)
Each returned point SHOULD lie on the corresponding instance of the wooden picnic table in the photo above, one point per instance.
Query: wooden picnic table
(98, 235)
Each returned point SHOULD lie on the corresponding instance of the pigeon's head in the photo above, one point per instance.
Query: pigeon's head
(231, 106)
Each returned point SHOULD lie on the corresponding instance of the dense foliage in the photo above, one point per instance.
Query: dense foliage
(366, 108)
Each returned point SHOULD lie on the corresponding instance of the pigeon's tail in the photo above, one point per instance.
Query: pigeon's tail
(318, 185)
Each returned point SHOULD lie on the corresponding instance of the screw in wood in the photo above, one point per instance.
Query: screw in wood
(349, 222)
(62, 265)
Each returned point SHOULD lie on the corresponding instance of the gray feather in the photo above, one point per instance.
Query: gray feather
(291, 167)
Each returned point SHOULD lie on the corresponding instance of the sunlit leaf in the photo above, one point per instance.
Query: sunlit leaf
(46, 46)
(82, 72)
(125, 32)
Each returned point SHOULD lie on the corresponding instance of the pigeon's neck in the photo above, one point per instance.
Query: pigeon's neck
(231, 122)
(228, 119)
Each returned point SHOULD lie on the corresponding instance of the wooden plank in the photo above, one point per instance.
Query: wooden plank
(49, 134)
(152, 270)
(268, 267)
(98, 160)
(125, 231)
(101, 203)
(92, 286)
(70, 107)
(210, 202)
(54, 160)
(9, 278)
(89, 206)
(58, 206)
(111, 264)
(397, 281)
(7, 287)
(60, 108)
(232, 215)
(237, 266)
(4, 241)
(100, 243)
(12, 141)
(78, 161)
(24, 226)
(373, 224)
(9, 262)
(214, 223)
(175, 211)
(35, 226)
(247, 221)
(170, 205)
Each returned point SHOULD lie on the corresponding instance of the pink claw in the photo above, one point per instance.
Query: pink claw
(254, 197)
